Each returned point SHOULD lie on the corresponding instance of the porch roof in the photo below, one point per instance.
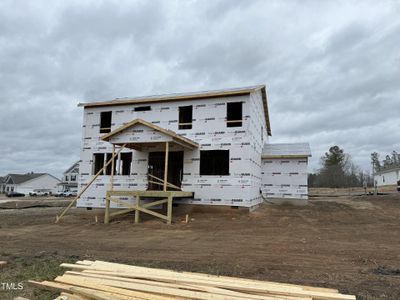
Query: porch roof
(170, 136)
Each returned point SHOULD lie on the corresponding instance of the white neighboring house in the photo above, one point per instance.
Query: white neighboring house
(387, 176)
(217, 148)
(30, 182)
(70, 178)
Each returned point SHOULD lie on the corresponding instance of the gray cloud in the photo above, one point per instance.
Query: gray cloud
(331, 68)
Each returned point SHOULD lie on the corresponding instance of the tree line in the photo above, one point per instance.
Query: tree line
(390, 162)
(338, 171)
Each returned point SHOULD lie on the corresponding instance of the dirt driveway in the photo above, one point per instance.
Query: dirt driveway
(348, 243)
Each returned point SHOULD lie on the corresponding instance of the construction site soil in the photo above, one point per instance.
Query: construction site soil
(349, 243)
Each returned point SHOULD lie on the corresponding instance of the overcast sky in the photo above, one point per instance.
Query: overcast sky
(332, 68)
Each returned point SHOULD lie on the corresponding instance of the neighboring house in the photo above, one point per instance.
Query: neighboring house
(2, 184)
(70, 178)
(27, 183)
(388, 176)
(218, 148)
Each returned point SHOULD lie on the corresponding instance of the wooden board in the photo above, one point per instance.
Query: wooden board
(102, 280)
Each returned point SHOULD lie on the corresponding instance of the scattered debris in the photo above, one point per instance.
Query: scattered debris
(2, 263)
(385, 270)
(105, 280)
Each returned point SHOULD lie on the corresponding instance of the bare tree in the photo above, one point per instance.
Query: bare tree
(376, 164)
(395, 158)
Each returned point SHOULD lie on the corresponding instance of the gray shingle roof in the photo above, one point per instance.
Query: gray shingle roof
(20, 178)
(74, 167)
(286, 150)
(387, 170)
(162, 97)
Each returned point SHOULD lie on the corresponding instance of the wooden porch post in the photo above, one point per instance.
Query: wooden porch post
(166, 166)
(169, 210)
(111, 186)
(137, 212)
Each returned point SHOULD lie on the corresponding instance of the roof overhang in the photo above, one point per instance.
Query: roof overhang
(385, 171)
(286, 150)
(266, 112)
(139, 144)
(189, 96)
(284, 156)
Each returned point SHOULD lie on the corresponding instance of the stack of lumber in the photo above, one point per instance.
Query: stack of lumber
(104, 280)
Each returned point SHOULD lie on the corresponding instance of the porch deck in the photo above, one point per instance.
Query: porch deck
(137, 207)
(122, 138)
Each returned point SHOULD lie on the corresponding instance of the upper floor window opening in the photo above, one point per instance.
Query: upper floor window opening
(234, 114)
(185, 117)
(105, 121)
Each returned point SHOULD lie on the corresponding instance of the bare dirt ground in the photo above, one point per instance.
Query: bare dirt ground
(349, 243)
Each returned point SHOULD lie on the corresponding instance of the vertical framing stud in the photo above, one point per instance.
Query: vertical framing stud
(111, 187)
(169, 210)
(137, 212)
(166, 166)
(107, 210)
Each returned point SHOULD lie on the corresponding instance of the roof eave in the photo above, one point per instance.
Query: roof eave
(387, 171)
(287, 156)
(204, 95)
(266, 111)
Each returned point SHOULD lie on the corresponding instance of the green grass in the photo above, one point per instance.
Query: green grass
(21, 269)
(47, 267)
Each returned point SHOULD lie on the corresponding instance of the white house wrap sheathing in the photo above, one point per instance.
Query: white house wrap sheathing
(240, 188)
(209, 129)
(284, 168)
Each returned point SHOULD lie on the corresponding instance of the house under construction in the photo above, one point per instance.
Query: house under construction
(207, 148)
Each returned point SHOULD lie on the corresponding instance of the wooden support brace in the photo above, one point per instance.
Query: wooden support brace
(142, 209)
(147, 205)
(153, 213)
(87, 186)
(168, 184)
(121, 212)
(162, 182)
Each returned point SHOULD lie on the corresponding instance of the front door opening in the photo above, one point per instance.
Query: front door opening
(175, 168)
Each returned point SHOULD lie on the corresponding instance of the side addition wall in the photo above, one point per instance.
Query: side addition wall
(285, 178)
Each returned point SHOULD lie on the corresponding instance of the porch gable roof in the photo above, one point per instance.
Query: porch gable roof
(169, 133)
